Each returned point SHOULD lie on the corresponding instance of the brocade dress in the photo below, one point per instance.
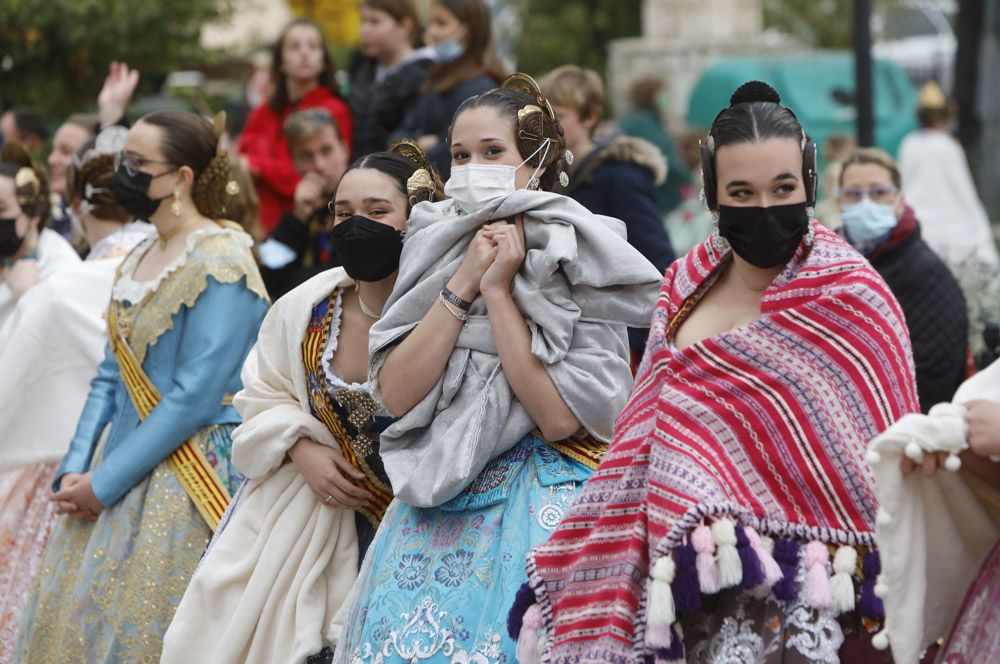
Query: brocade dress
(106, 590)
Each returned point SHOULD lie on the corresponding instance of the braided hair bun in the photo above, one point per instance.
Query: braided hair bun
(212, 186)
(755, 91)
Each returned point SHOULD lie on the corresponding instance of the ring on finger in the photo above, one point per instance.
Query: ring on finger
(328, 499)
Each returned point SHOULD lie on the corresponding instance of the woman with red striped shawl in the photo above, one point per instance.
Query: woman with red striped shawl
(733, 516)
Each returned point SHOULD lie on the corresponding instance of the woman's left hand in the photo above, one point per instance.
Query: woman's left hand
(509, 241)
(79, 493)
(983, 419)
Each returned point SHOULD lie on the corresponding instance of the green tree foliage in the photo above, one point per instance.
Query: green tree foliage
(54, 54)
(557, 32)
(818, 23)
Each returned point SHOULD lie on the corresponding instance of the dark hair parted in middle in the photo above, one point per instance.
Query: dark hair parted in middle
(755, 114)
(530, 130)
(327, 78)
(189, 140)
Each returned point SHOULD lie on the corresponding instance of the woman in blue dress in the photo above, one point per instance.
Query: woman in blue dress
(139, 501)
(503, 352)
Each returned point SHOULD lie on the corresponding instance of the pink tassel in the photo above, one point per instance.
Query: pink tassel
(772, 570)
(708, 572)
(527, 640)
(817, 579)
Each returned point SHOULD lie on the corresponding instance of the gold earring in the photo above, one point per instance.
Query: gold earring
(175, 207)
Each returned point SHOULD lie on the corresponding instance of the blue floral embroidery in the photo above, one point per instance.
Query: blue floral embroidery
(455, 569)
(412, 571)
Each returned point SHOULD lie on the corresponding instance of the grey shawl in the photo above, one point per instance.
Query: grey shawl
(579, 287)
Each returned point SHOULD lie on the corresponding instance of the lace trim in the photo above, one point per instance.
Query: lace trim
(221, 253)
(333, 379)
(121, 242)
(131, 291)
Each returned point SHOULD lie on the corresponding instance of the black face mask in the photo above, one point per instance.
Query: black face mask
(368, 250)
(764, 237)
(10, 241)
(130, 192)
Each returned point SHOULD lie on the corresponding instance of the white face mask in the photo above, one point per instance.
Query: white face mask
(474, 186)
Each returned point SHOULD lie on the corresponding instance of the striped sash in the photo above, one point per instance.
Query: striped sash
(313, 345)
(189, 464)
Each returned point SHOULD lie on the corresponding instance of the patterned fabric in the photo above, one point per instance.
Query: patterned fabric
(765, 424)
(26, 519)
(106, 590)
(436, 584)
(975, 636)
(350, 415)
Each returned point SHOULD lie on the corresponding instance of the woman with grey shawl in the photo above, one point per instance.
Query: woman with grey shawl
(503, 352)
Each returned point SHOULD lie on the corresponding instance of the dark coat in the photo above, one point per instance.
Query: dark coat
(934, 308)
(618, 179)
(433, 113)
(378, 109)
(313, 253)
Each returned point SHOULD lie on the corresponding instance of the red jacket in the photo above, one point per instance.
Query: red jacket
(263, 143)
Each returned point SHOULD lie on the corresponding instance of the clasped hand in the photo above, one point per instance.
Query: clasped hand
(493, 258)
(982, 418)
(76, 497)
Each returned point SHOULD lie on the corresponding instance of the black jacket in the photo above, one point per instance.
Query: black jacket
(934, 308)
(378, 109)
(618, 179)
(433, 113)
(310, 242)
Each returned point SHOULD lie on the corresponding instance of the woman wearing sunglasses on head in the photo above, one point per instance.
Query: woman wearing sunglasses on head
(879, 223)
(140, 503)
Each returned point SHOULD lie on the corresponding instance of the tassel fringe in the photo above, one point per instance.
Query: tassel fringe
(660, 613)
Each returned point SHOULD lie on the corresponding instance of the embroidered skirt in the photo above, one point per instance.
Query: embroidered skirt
(26, 519)
(107, 590)
(437, 584)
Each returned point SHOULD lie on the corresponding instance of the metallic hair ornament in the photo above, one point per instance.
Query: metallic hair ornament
(421, 178)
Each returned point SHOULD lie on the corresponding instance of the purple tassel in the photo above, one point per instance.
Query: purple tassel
(753, 569)
(870, 606)
(675, 653)
(786, 553)
(515, 618)
(687, 591)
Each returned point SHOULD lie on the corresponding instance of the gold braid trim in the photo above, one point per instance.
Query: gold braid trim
(225, 256)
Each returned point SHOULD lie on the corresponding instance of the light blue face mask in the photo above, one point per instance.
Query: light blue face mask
(868, 224)
(448, 50)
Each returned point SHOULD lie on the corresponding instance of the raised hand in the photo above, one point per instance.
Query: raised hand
(119, 86)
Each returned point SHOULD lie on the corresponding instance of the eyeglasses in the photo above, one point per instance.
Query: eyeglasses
(133, 162)
(854, 195)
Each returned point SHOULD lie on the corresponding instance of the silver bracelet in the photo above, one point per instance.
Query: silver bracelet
(460, 315)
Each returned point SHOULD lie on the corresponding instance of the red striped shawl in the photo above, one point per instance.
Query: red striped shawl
(767, 424)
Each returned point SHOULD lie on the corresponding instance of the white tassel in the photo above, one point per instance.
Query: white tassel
(872, 457)
(883, 518)
(953, 463)
(914, 452)
(730, 567)
(528, 651)
(660, 612)
(842, 583)
(880, 641)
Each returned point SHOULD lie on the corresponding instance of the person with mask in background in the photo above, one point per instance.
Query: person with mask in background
(939, 185)
(139, 501)
(316, 490)
(387, 73)
(461, 34)
(878, 222)
(30, 252)
(299, 246)
(733, 516)
(52, 345)
(616, 177)
(304, 76)
(504, 337)
(650, 99)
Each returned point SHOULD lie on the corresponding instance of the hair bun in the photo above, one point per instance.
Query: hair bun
(752, 91)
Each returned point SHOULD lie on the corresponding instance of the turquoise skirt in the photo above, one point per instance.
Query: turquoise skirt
(437, 583)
